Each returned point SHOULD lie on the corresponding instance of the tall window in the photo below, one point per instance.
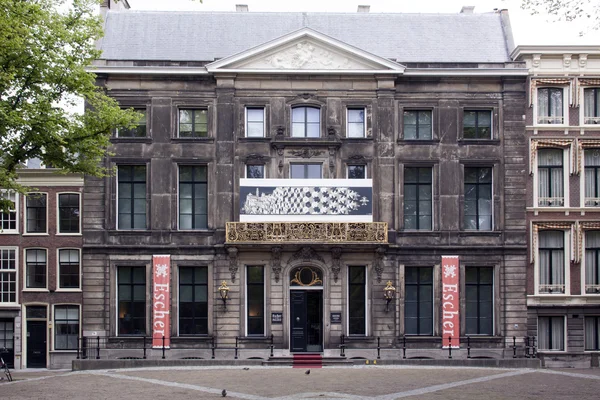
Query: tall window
(550, 106)
(255, 297)
(305, 171)
(551, 250)
(417, 198)
(8, 275)
(356, 122)
(357, 171)
(551, 333)
(68, 213)
(36, 213)
(35, 260)
(255, 122)
(357, 300)
(193, 197)
(550, 178)
(592, 262)
(193, 123)
(68, 269)
(139, 131)
(478, 199)
(255, 171)
(8, 220)
(193, 300)
(477, 124)
(132, 300)
(66, 327)
(418, 301)
(417, 125)
(592, 333)
(592, 177)
(591, 106)
(132, 196)
(479, 297)
(306, 122)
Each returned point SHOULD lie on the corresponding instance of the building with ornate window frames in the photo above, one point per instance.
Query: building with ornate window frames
(563, 214)
(306, 100)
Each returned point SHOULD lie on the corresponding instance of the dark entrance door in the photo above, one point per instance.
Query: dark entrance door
(36, 344)
(7, 341)
(306, 311)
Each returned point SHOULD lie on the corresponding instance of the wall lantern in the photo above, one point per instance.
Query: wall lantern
(388, 294)
(224, 292)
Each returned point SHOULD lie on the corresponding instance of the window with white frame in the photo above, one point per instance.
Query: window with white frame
(550, 177)
(550, 105)
(306, 122)
(9, 219)
(591, 106)
(551, 333)
(35, 268)
(68, 213)
(591, 158)
(255, 300)
(592, 262)
(592, 333)
(255, 121)
(356, 122)
(66, 327)
(357, 300)
(36, 204)
(356, 171)
(8, 275)
(69, 268)
(255, 171)
(551, 256)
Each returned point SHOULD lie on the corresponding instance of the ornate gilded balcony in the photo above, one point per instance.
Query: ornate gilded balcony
(306, 232)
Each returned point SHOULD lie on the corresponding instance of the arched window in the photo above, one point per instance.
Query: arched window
(306, 122)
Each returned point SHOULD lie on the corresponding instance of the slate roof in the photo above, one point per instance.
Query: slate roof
(206, 36)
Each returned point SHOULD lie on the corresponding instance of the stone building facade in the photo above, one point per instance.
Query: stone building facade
(40, 270)
(563, 290)
(384, 155)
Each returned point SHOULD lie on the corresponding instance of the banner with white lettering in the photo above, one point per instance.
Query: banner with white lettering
(161, 301)
(450, 302)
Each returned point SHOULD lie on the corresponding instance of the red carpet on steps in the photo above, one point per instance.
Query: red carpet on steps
(307, 361)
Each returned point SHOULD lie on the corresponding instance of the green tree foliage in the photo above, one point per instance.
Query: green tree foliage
(46, 47)
(567, 10)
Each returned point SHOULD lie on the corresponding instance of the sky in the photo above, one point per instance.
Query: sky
(527, 29)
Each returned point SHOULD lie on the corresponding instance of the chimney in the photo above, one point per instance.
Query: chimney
(364, 9)
(113, 5)
(467, 10)
(241, 7)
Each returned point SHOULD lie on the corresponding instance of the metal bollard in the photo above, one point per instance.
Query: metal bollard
(468, 346)
(213, 348)
(78, 346)
(403, 346)
(514, 347)
(236, 348)
(342, 345)
(533, 348)
(449, 346)
(97, 347)
(163, 347)
(144, 345)
(378, 348)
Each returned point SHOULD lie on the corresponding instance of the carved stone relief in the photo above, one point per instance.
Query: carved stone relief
(276, 261)
(233, 262)
(306, 152)
(306, 254)
(336, 265)
(379, 258)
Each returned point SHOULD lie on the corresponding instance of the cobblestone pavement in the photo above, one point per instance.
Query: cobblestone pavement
(262, 383)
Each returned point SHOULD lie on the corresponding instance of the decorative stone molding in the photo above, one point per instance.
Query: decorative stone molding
(306, 152)
(276, 261)
(567, 60)
(233, 262)
(306, 254)
(379, 257)
(256, 159)
(336, 265)
(536, 60)
(583, 60)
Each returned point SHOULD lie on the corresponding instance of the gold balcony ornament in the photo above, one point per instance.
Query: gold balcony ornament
(224, 292)
(388, 293)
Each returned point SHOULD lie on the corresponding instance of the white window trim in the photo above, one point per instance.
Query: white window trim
(348, 300)
(263, 120)
(567, 263)
(257, 165)
(357, 164)
(264, 299)
(566, 102)
(582, 107)
(16, 271)
(584, 336)
(58, 233)
(320, 109)
(364, 133)
(566, 173)
(25, 288)
(583, 266)
(25, 232)
(565, 341)
(58, 288)
(54, 326)
(24, 328)
(179, 109)
(7, 194)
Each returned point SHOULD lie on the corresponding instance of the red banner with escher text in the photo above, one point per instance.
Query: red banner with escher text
(450, 302)
(161, 301)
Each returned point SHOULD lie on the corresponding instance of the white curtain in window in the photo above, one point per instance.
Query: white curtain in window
(552, 260)
(592, 333)
(592, 242)
(554, 186)
(557, 102)
(588, 102)
(591, 159)
(543, 103)
(558, 333)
